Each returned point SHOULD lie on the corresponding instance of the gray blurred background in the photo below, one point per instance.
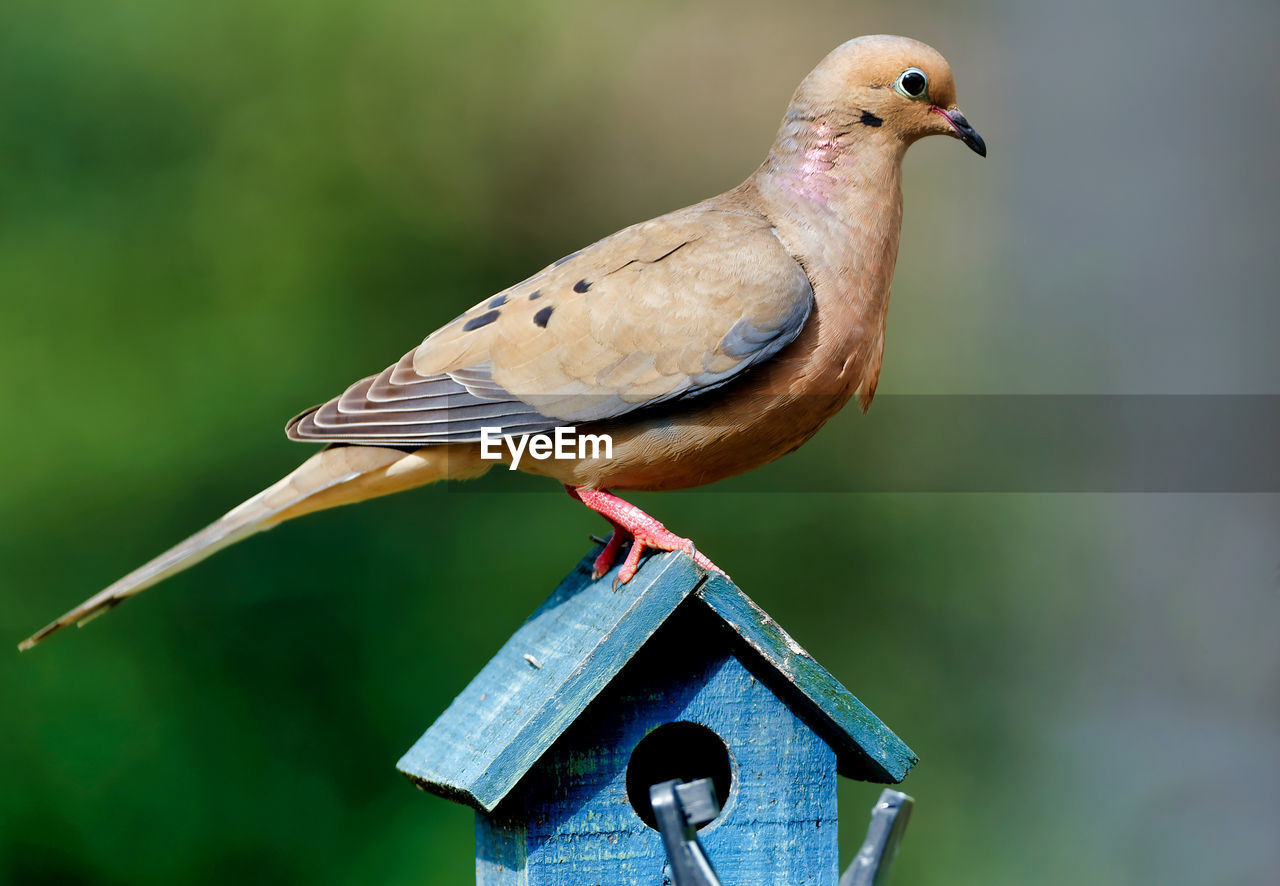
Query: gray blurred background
(215, 215)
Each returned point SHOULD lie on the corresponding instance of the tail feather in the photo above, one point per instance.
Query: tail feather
(333, 477)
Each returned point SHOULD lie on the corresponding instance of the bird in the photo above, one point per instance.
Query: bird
(701, 344)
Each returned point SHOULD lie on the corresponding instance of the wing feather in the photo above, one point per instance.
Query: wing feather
(667, 309)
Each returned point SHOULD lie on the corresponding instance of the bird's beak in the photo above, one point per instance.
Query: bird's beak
(961, 129)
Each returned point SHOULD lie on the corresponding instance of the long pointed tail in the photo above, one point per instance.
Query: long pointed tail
(333, 477)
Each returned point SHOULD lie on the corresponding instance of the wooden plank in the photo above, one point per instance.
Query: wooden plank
(866, 749)
(543, 678)
(501, 850)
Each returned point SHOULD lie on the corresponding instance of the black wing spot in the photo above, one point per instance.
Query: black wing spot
(543, 316)
(869, 119)
(482, 320)
(581, 286)
(497, 301)
(537, 293)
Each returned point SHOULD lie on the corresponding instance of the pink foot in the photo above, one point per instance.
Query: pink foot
(644, 531)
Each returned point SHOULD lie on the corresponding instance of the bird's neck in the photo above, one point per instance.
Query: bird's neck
(828, 177)
(833, 191)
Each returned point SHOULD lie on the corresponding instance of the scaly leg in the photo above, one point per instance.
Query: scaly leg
(645, 532)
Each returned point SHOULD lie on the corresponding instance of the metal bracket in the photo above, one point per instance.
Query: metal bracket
(889, 817)
(679, 809)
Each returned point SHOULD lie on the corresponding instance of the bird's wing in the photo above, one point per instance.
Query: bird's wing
(666, 309)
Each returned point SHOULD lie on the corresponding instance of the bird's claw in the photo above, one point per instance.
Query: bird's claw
(631, 523)
(661, 541)
(604, 561)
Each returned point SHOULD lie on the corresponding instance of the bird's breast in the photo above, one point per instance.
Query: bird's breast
(770, 411)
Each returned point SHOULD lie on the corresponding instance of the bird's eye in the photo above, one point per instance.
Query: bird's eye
(912, 83)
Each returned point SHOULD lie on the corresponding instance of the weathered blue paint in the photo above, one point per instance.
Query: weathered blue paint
(540, 740)
(865, 748)
(570, 822)
(542, 679)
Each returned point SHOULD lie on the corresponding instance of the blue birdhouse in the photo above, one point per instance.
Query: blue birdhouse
(603, 694)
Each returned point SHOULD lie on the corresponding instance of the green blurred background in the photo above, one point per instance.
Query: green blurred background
(215, 215)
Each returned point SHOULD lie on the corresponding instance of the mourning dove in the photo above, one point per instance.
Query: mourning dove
(702, 344)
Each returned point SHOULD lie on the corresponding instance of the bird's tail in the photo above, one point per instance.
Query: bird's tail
(336, 476)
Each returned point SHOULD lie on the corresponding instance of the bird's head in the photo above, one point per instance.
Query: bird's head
(898, 85)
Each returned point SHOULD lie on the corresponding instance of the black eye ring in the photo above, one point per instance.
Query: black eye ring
(913, 83)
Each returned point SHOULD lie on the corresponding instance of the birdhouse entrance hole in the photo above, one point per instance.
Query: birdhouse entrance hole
(685, 751)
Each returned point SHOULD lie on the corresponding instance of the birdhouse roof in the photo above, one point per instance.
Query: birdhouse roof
(569, 650)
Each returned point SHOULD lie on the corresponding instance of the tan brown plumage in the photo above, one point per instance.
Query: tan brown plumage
(706, 342)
